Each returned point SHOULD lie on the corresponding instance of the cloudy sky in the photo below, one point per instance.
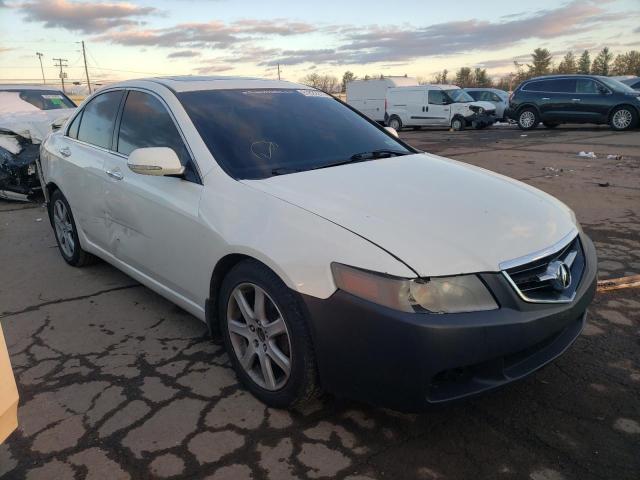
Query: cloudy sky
(160, 37)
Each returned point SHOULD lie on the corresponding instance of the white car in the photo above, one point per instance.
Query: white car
(328, 253)
(436, 105)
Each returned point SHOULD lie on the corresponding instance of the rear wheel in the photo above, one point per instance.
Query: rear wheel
(528, 119)
(623, 118)
(267, 336)
(550, 125)
(395, 123)
(66, 232)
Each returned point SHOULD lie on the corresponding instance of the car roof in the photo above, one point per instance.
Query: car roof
(29, 87)
(567, 75)
(192, 83)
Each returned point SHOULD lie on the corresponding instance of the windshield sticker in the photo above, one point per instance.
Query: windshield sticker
(264, 149)
(314, 93)
(52, 97)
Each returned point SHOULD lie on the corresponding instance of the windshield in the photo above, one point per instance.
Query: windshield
(259, 133)
(460, 96)
(41, 99)
(617, 85)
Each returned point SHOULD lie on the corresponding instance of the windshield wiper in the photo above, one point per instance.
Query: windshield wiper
(363, 157)
(285, 170)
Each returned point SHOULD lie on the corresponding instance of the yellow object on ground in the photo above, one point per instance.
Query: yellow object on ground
(8, 393)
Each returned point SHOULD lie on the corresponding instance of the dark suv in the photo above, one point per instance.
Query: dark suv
(557, 99)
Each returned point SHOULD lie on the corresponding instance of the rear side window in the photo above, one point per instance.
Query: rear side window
(560, 85)
(437, 97)
(147, 123)
(98, 119)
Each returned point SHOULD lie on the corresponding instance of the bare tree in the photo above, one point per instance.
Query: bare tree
(326, 83)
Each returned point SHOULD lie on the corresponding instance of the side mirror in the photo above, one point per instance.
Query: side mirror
(159, 161)
(602, 90)
(392, 131)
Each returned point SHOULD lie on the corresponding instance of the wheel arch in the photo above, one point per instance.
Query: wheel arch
(50, 188)
(220, 271)
(623, 104)
(528, 105)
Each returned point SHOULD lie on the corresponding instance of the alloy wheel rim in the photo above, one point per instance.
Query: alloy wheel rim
(259, 336)
(622, 118)
(64, 228)
(395, 124)
(457, 124)
(527, 118)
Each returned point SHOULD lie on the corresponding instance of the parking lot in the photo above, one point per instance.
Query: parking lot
(118, 383)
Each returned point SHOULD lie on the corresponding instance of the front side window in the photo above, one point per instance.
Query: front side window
(585, 85)
(147, 123)
(257, 133)
(438, 97)
(98, 119)
(73, 128)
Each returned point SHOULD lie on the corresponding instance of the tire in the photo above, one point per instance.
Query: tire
(271, 339)
(458, 124)
(622, 118)
(395, 123)
(66, 232)
(528, 119)
(550, 125)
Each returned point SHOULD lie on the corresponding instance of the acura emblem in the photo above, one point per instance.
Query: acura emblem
(560, 275)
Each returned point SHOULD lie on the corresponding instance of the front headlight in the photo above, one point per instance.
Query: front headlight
(464, 293)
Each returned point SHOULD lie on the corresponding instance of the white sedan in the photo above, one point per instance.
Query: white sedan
(329, 254)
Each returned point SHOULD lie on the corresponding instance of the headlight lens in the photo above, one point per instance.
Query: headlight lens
(464, 293)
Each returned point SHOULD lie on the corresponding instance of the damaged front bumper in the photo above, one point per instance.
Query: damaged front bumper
(19, 178)
(481, 120)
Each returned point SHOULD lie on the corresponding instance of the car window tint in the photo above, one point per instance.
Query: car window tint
(494, 97)
(534, 87)
(73, 128)
(98, 119)
(437, 97)
(475, 95)
(147, 123)
(585, 85)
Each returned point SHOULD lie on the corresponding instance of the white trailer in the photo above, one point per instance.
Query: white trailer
(368, 96)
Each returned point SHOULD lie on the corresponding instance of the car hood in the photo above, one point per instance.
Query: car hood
(439, 216)
(34, 125)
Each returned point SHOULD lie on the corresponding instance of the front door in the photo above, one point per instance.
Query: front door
(438, 108)
(151, 220)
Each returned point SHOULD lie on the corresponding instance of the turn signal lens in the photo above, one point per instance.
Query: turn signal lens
(464, 293)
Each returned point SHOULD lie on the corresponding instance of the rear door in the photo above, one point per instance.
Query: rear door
(417, 106)
(152, 219)
(557, 98)
(83, 150)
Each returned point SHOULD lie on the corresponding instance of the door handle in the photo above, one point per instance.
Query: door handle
(65, 151)
(546, 98)
(575, 99)
(116, 175)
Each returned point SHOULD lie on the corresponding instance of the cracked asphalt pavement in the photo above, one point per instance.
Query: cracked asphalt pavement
(118, 383)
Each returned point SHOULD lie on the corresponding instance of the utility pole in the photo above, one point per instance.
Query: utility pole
(278, 71)
(41, 67)
(62, 62)
(86, 70)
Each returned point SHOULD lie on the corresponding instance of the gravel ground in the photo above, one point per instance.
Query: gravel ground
(118, 383)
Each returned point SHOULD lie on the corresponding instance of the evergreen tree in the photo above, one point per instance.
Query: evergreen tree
(627, 64)
(602, 62)
(481, 79)
(346, 78)
(568, 64)
(464, 77)
(584, 64)
(540, 62)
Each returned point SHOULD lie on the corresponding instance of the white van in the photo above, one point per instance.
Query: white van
(368, 96)
(436, 105)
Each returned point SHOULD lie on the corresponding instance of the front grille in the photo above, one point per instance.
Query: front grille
(539, 281)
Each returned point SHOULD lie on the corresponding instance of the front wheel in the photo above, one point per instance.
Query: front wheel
(458, 124)
(66, 232)
(623, 118)
(266, 334)
(528, 119)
